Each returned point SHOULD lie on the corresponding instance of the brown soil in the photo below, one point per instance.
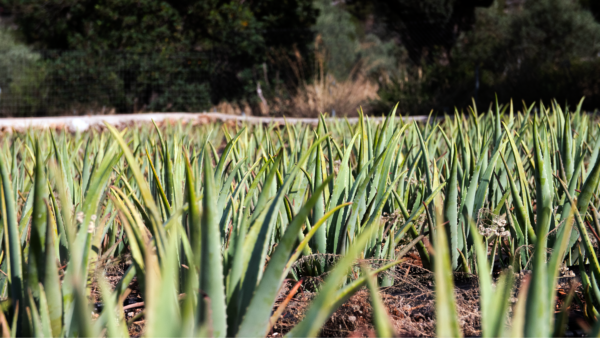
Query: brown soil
(410, 302)
(132, 302)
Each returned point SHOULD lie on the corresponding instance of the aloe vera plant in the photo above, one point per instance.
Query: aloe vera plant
(215, 218)
(553, 208)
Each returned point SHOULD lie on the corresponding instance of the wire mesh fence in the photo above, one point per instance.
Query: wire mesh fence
(50, 83)
(79, 82)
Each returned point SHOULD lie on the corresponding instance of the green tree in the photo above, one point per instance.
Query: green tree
(593, 6)
(535, 52)
(543, 49)
(554, 31)
(423, 26)
(339, 37)
(18, 74)
(235, 35)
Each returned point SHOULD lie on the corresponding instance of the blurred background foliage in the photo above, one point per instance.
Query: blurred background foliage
(294, 57)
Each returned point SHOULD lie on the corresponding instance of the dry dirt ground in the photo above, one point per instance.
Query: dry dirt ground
(409, 302)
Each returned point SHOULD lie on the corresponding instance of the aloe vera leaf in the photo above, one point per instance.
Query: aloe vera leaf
(426, 160)
(66, 208)
(227, 185)
(60, 226)
(589, 187)
(86, 171)
(447, 324)
(383, 174)
(359, 195)
(13, 243)
(464, 262)
(595, 332)
(522, 215)
(349, 289)
(538, 311)
(558, 253)
(304, 243)
(359, 180)
(194, 215)
(159, 187)
(494, 302)
(595, 147)
(386, 132)
(497, 126)
(143, 188)
(168, 174)
(451, 213)
(468, 205)
(114, 325)
(219, 171)
(52, 284)
(162, 296)
(381, 319)
(520, 169)
(235, 276)
(322, 306)
(43, 314)
(136, 244)
(363, 152)
(90, 209)
(258, 242)
(411, 172)
(370, 138)
(518, 319)
(267, 186)
(560, 325)
(141, 211)
(320, 239)
(595, 291)
(241, 260)
(587, 244)
(258, 313)
(26, 213)
(211, 266)
(188, 306)
(482, 189)
(63, 170)
(566, 206)
(35, 263)
(238, 234)
(329, 168)
(341, 188)
(379, 207)
(81, 325)
(37, 327)
(167, 166)
(590, 302)
(410, 219)
(567, 149)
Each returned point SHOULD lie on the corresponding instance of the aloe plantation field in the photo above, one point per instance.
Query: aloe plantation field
(484, 223)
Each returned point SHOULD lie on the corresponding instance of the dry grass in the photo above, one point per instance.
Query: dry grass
(324, 95)
(231, 108)
(327, 95)
(410, 304)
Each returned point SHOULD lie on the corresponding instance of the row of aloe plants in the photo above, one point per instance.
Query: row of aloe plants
(546, 187)
(213, 219)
